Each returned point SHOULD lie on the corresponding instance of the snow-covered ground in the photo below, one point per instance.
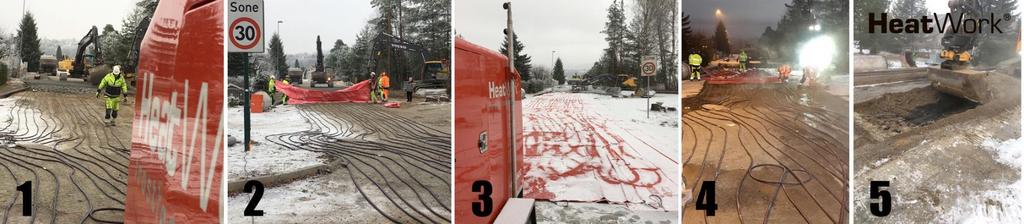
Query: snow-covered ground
(267, 158)
(1005, 204)
(27, 119)
(318, 199)
(593, 147)
(573, 212)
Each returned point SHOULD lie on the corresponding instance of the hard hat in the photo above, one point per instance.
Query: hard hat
(117, 69)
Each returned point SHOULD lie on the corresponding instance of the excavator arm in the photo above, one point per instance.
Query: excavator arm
(383, 40)
(133, 55)
(91, 38)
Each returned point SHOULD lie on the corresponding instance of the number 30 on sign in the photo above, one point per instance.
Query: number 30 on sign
(246, 26)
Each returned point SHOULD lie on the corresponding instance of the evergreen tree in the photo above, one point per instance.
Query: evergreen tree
(277, 58)
(522, 62)
(994, 48)
(595, 70)
(905, 9)
(297, 64)
(721, 39)
(872, 42)
(559, 73)
(59, 55)
(335, 55)
(834, 16)
(110, 47)
(769, 37)
(132, 27)
(428, 23)
(29, 39)
(354, 63)
(793, 29)
(615, 31)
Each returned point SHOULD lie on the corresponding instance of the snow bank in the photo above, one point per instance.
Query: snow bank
(267, 158)
(1005, 204)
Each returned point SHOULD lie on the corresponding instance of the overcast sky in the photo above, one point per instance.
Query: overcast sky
(570, 27)
(63, 19)
(303, 20)
(744, 19)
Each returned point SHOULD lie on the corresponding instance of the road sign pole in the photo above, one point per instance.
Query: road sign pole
(245, 104)
(648, 68)
(646, 91)
(246, 19)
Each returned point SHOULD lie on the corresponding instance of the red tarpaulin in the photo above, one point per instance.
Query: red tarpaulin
(358, 93)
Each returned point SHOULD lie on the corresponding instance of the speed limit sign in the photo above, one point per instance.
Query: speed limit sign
(648, 65)
(245, 30)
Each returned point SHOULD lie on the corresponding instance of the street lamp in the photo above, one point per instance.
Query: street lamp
(718, 13)
(553, 60)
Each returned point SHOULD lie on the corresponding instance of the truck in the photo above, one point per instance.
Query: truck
(489, 136)
(47, 65)
(179, 99)
(295, 75)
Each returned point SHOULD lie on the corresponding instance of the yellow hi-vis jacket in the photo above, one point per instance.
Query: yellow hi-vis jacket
(113, 85)
(695, 59)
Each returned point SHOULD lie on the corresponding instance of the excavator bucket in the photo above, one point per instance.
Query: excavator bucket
(965, 83)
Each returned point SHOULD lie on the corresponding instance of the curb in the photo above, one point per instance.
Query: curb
(236, 187)
(10, 92)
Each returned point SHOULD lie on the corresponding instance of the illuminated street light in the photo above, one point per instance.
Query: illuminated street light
(718, 13)
(815, 27)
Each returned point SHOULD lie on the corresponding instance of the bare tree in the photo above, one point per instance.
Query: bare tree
(653, 33)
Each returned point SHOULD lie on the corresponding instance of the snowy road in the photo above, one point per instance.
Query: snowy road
(589, 147)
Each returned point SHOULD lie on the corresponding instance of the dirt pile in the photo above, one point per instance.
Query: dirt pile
(899, 112)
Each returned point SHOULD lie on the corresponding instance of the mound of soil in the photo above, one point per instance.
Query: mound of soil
(899, 112)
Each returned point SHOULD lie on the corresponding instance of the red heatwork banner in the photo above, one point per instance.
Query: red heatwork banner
(176, 165)
(358, 93)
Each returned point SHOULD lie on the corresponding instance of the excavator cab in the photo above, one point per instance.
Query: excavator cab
(954, 75)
